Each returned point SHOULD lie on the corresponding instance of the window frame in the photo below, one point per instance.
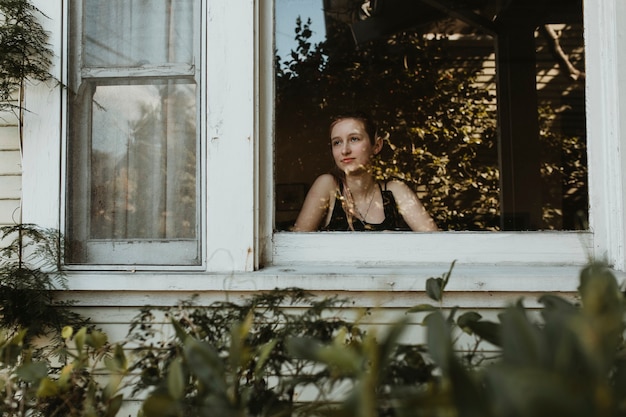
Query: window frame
(119, 253)
(238, 127)
(603, 241)
(227, 132)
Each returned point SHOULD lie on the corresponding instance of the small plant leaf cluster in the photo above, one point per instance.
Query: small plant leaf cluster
(86, 383)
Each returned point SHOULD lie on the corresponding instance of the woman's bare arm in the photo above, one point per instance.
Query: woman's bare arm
(411, 208)
(316, 204)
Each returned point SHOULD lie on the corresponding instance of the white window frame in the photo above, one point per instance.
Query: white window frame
(153, 252)
(228, 137)
(239, 178)
(607, 165)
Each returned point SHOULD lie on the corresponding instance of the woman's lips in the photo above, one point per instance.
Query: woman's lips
(347, 160)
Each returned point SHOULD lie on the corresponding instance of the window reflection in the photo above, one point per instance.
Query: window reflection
(487, 145)
(143, 161)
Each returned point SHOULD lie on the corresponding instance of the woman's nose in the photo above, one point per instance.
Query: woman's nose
(346, 149)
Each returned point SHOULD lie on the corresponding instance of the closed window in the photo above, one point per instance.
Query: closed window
(134, 143)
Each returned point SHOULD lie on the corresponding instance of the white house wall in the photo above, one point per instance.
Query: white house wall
(111, 299)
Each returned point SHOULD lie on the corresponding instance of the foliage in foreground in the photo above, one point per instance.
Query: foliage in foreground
(289, 353)
(50, 356)
(570, 362)
(30, 277)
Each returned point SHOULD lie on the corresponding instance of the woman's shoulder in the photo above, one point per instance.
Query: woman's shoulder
(396, 186)
(325, 181)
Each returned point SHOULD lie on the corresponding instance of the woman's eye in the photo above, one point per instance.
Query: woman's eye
(336, 142)
(355, 138)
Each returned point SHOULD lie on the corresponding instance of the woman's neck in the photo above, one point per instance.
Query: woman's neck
(360, 186)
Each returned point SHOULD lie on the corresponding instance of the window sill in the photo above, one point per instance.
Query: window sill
(341, 278)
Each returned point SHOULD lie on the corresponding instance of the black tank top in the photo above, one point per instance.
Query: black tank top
(393, 219)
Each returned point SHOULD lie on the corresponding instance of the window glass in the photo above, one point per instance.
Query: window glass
(126, 33)
(143, 161)
(133, 183)
(484, 105)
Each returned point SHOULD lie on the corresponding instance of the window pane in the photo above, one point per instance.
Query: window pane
(484, 106)
(143, 162)
(136, 179)
(131, 33)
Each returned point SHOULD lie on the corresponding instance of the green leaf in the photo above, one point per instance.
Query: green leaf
(160, 405)
(555, 302)
(422, 308)
(264, 354)
(487, 330)
(32, 372)
(67, 332)
(340, 358)
(120, 358)
(47, 388)
(112, 386)
(79, 339)
(96, 339)
(439, 340)
(176, 379)
(114, 406)
(434, 288)
(468, 317)
(599, 290)
(447, 275)
(522, 342)
(204, 362)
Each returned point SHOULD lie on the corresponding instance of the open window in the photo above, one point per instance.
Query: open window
(484, 102)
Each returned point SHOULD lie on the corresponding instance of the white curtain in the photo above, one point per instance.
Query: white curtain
(128, 33)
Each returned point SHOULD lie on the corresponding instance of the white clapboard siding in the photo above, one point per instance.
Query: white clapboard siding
(10, 169)
(10, 187)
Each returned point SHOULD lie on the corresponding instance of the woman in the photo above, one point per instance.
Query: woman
(350, 198)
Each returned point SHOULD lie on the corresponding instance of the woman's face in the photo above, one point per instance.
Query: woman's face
(351, 145)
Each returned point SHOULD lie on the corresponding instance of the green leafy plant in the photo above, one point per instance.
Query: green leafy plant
(251, 359)
(233, 357)
(50, 356)
(570, 362)
(24, 49)
(290, 353)
(30, 280)
(35, 385)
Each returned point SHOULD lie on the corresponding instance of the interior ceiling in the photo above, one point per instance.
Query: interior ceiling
(378, 18)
